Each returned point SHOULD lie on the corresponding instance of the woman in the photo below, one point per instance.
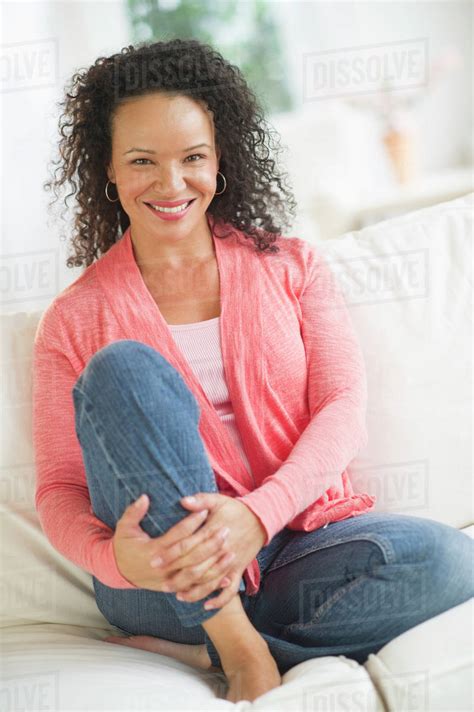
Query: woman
(194, 356)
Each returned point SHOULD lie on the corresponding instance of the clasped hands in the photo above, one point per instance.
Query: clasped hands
(195, 560)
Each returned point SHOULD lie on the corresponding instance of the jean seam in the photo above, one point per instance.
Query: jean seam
(327, 605)
(113, 468)
(386, 550)
(117, 475)
(170, 452)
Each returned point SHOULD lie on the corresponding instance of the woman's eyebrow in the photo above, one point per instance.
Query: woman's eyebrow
(147, 150)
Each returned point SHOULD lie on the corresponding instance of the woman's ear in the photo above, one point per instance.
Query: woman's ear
(110, 174)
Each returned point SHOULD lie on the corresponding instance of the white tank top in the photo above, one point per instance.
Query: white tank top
(200, 345)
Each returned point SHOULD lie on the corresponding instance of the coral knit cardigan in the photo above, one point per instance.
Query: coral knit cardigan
(294, 371)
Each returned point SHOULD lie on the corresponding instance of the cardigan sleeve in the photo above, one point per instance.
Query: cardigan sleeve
(62, 497)
(337, 399)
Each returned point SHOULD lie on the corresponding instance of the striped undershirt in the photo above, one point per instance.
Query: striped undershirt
(200, 345)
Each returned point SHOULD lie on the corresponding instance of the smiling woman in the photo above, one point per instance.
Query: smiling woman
(156, 126)
(165, 147)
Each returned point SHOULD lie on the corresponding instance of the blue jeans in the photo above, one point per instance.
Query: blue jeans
(345, 589)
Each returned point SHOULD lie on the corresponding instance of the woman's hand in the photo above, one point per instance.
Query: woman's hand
(134, 549)
(245, 539)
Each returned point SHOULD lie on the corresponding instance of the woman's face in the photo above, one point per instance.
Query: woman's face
(153, 159)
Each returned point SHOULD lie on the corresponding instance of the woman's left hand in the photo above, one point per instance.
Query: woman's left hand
(245, 539)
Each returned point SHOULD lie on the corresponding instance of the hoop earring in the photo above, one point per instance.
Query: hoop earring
(225, 183)
(107, 195)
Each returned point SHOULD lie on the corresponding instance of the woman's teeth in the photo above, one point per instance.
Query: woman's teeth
(178, 209)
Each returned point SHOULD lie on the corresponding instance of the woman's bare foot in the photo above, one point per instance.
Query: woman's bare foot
(251, 674)
(195, 655)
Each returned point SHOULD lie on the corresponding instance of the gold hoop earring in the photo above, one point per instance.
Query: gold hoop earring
(107, 195)
(225, 183)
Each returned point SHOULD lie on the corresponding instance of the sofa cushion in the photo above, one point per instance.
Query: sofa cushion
(429, 667)
(70, 668)
(407, 282)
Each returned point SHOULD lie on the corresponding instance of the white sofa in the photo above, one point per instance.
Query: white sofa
(407, 282)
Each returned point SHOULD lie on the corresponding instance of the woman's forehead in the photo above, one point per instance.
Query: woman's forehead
(151, 113)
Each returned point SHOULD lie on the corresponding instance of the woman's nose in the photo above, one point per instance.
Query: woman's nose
(169, 181)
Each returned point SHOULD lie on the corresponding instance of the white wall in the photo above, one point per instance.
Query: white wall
(43, 44)
(446, 115)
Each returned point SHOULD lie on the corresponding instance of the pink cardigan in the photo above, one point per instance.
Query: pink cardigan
(295, 375)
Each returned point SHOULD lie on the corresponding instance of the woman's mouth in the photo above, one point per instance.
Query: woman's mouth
(170, 213)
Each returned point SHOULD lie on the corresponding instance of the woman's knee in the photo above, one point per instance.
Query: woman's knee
(131, 366)
(407, 539)
(124, 355)
(453, 562)
(438, 557)
(445, 557)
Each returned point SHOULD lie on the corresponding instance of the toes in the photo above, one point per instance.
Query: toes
(116, 639)
(195, 655)
(143, 642)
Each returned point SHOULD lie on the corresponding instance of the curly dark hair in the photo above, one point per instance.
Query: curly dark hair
(255, 192)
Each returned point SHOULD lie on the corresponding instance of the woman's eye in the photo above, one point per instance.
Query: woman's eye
(194, 155)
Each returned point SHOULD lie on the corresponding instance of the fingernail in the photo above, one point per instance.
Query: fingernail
(139, 500)
(190, 499)
(156, 562)
(208, 605)
(225, 581)
(202, 513)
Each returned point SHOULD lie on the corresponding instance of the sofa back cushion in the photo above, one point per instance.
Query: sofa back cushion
(407, 284)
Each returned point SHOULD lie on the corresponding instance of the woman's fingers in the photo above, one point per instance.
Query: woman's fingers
(184, 528)
(203, 543)
(197, 593)
(226, 595)
(206, 578)
(130, 520)
(176, 536)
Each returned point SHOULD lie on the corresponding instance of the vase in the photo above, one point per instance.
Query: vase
(402, 147)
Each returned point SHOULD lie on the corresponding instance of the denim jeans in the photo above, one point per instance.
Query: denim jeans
(345, 589)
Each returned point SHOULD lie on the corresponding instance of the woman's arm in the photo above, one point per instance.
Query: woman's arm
(337, 397)
(62, 496)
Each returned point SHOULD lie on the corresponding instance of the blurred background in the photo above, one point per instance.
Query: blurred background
(372, 102)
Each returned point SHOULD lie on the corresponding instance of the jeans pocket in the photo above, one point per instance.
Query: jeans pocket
(321, 618)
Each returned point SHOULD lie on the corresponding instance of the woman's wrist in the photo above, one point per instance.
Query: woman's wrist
(260, 531)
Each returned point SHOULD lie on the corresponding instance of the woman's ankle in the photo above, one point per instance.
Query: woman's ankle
(232, 633)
